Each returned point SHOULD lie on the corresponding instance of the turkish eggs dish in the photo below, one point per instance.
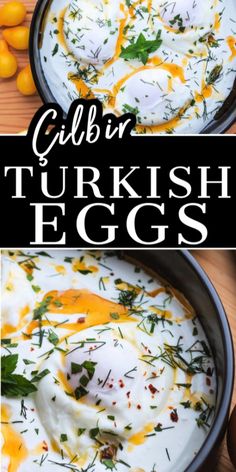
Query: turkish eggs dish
(103, 366)
(171, 63)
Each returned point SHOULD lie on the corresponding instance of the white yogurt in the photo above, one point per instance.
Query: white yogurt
(186, 76)
(126, 366)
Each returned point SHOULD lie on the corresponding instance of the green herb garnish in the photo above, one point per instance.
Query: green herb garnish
(53, 338)
(14, 385)
(141, 48)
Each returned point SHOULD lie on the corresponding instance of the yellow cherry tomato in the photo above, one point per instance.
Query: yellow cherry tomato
(12, 13)
(8, 62)
(17, 37)
(25, 82)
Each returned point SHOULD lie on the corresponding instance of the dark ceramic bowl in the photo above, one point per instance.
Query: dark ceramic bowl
(223, 119)
(182, 271)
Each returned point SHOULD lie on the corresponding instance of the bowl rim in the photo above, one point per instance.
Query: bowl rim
(219, 425)
(218, 428)
(217, 125)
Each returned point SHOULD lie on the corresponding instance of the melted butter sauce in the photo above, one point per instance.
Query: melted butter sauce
(231, 41)
(9, 329)
(140, 437)
(14, 446)
(217, 22)
(72, 301)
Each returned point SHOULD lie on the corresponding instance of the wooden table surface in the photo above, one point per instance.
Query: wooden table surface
(220, 266)
(17, 111)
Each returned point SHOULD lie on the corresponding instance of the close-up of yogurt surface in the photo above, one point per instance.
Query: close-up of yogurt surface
(172, 64)
(104, 366)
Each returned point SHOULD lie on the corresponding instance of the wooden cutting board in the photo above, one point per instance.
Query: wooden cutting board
(220, 266)
(17, 111)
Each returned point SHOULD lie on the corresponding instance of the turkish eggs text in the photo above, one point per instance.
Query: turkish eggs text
(172, 64)
(103, 367)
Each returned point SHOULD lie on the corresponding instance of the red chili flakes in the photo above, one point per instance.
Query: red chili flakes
(154, 374)
(129, 404)
(121, 383)
(152, 389)
(32, 348)
(139, 407)
(45, 446)
(110, 385)
(32, 409)
(174, 416)
(208, 381)
(108, 452)
(81, 320)
(113, 403)
(128, 394)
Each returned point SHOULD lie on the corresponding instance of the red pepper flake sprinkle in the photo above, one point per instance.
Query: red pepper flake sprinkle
(129, 404)
(128, 394)
(111, 386)
(174, 416)
(208, 381)
(81, 320)
(45, 446)
(32, 348)
(113, 403)
(121, 383)
(152, 388)
(139, 407)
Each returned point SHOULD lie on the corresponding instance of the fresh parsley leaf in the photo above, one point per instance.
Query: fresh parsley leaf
(214, 75)
(90, 367)
(68, 259)
(111, 417)
(45, 254)
(141, 48)
(109, 464)
(8, 364)
(36, 288)
(81, 431)
(115, 316)
(63, 438)
(53, 338)
(93, 432)
(42, 308)
(76, 368)
(16, 385)
(80, 392)
(42, 374)
(28, 362)
(55, 49)
(84, 380)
